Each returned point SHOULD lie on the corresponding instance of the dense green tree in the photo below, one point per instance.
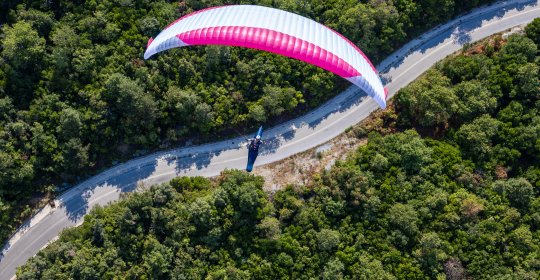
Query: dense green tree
(368, 268)
(70, 124)
(132, 108)
(98, 237)
(74, 157)
(277, 100)
(436, 10)
(327, 240)
(269, 228)
(65, 44)
(41, 21)
(43, 144)
(407, 150)
(528, 84)
(14, 171)
(333, 270)
(186, 107)
(156, 261)
(532, 30)
(429, 102)
(23, 49)
(519, 50)
(476, 138)
(23, 52)
(431, 252)
(462, 68)
(377, 21)
(403, 219)
(518, 191)
(475, 100)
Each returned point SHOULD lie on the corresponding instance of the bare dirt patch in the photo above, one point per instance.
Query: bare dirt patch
(301, 169)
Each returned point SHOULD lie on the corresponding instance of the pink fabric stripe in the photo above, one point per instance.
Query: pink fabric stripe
(192, 14)
(385, 93)
(355, 47)
(271, 41)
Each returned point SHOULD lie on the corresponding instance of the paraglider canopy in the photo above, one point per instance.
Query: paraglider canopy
(276, 31)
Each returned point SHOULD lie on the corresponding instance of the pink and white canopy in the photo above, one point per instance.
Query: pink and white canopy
(274, 31)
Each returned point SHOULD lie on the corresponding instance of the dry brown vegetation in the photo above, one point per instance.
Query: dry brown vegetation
(302, 168)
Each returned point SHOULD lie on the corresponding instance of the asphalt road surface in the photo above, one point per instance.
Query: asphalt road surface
(308, 131)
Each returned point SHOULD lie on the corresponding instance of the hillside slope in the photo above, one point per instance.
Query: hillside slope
(454, 193)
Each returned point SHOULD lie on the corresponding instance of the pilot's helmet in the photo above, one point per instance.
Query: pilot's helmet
(258, 137)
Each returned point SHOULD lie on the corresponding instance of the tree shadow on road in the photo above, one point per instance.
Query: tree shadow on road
(76, 206)
(459, 31)
(339, 104)
(353, 96)
(193, 160)
(461, 36)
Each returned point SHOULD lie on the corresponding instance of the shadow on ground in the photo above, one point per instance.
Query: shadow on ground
(459, 32)
(78, 205)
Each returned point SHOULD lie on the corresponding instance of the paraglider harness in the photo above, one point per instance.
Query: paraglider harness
(253, 149)
(254, 145)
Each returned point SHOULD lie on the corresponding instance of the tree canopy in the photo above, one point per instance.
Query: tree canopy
(456, 198)
(76, 95)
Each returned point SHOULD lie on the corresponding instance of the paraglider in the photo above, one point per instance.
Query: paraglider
(275, 31)
(253, 149)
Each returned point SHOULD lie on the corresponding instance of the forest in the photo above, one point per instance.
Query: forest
(447, 187)
(76, 95)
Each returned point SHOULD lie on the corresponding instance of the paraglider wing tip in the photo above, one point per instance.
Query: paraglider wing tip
(147, 53)
(380, 101)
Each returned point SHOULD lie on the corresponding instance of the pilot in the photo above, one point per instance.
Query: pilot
(255, 142)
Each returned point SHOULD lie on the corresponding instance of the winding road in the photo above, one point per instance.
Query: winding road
(308, 131)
